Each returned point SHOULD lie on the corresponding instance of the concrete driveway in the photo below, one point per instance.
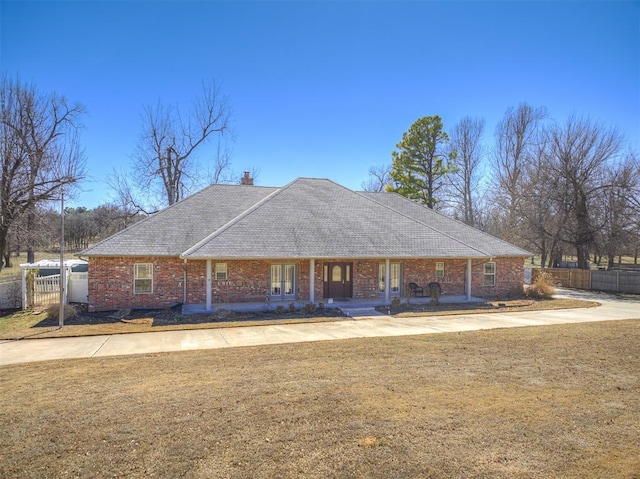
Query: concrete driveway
(366, 324)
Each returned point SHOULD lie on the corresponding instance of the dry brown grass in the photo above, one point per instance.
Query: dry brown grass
(542, 402)
(53, 312)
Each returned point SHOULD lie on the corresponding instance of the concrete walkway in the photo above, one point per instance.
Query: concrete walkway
(366, 323)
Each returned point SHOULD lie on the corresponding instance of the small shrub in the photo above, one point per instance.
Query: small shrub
(395, 303)
(280, 309)
(178, 318)
(292, 307)
(321, 306)
(542, 287)
(309, 308)
(53, 311)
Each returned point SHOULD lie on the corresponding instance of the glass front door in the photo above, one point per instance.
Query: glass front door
(283, 281)
(394, 278)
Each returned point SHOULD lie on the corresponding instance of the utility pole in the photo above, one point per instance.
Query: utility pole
(62, 269)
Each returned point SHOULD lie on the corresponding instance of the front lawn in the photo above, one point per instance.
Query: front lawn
(537, 402)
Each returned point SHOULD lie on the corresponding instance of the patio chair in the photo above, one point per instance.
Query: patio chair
(416, 290)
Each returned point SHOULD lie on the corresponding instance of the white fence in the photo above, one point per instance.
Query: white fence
(78, 291)
(46, 290)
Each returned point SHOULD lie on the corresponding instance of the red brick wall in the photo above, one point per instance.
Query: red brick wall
(248, 280)
(111, 280)
(111, 283)
(509, 278)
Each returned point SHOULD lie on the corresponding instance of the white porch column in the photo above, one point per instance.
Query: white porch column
(208, 306)
(312, 280)
(468, 282)
(184, 282)
(387, 282)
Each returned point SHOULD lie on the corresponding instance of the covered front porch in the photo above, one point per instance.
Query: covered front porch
(335, 282)
(344, 304)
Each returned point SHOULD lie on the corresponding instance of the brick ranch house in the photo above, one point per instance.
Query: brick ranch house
(308, 241)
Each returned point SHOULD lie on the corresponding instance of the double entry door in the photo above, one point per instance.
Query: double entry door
(338, 280)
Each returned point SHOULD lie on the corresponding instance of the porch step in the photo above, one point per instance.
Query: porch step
(361, 312)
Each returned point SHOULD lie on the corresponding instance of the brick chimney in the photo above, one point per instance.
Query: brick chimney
(246, 179)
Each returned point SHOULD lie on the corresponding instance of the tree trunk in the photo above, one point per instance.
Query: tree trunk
(543, 251)
(584, 236)
(31, 255)
(4, 232)
(582, 253)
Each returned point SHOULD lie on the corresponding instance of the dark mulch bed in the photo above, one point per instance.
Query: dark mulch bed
(173, 315)
(436, 308)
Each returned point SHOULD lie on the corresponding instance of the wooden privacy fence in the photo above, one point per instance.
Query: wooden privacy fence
(619, 281)
(613, 281)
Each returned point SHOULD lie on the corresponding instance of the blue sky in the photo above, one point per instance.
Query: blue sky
(323, 89)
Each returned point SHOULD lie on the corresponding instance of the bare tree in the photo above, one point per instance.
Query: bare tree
(165, 157)
(465, 140)
(517, 136)
(219, 168)
(581, 152)
(544, 212)
(379, 178)
(40, 151)
(616, 215)
(127, 196)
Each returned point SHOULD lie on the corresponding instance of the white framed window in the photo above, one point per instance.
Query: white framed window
(221, 271)
(142, 278)
(489, 278)
(439, 269)
(394, 277)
